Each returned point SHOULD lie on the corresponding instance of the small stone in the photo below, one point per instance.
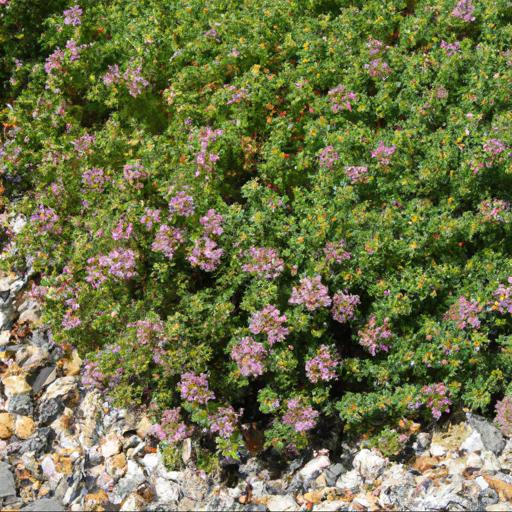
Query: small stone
(49, 410)
(436, 450)
(24, 427)
(40, 441)
(473, 461)
(314, 496)
(350, 481)
(6, 425)
(501, 506)
(116, 465)
(482, 483)
(4, 337)
(166, 491)
(134, 502)
(490, 461)
(473, 443)
(45, 505)
(144, 427)
(491, 437)
(15, 385)
(186, 451)
(72, 365)
(45, 377)
(60, 388)
(313, 466)
(110, 445)
(31, 357)
(369, 464)
(333, 472)
(282, 503)
(20, 404)
(134, 477)
(330, 506)
(7, 487)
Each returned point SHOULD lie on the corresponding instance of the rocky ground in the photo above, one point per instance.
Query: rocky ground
(64, 448)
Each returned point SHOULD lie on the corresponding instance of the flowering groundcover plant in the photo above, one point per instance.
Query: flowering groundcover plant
(292, 213)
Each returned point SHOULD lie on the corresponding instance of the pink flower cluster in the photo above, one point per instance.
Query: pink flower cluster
(46, 219)
(148, 331)
(171, 427)
(250, 356)
(131, 78)
(465, 313)
(340, 99)
(54, 61)
(194, 388)
(92, 376)
(83, 143)
(344, 306)
(264, 261)
(464, 10)
(328, 157)
(167, 240)
(224, 421)
(119, 263)
(212, 223)
(374, 337)
(238, 94)
(301, 417)
(503, 296)
(450, 48)
(323, 366)
(205, 159)
(95, 179)
(383, 153)
(182, 204)
(494, 147)
(436, 399)
(150, 218)
(378, 68)
(72, 16)
(270, 322)
(335, 251)
(135, 174)
(504, 415)
(206, 254)
(357, 174)
(123, 230)
(494, 209)
(311, 293)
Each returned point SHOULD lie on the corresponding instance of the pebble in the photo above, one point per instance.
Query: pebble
(7, 487)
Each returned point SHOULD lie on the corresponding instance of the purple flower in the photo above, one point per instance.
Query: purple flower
(344, 306)
(311, 293)
(301, 417)
(95, 179)
(357, 174)
(383, 153)
(194, 388)
(504, 415)
(112, 76)
(323, 366)
(92, 376)
(95, 274)
(269, 322)
(374, 337)
(340, 99)
(167, 240)
(182, 204)
(206, 254)
(436, 399)
(83, 143)
(74, 50)
(494, 147)
(134, 174)
(72, 16)
(224, 421)
(264, 261)
(120, 263)
(54, 61)
(503, 296)
(328, 157)
(70, 321)
(335, 251)
(150, 218)
(148, 332)
(450, 48)
(375, 47)
(134, 81)
(378, 68)
(494, 209)
(465, 313)
(464, 10)
(205, 159)
(212, 223)
(123, 231)
(46, 219)
(250, 356)
(238, 94)
(171, 428)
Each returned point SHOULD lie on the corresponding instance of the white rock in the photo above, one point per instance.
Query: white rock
(482, 482)
(491, 462)
(167, 491)
(133, 503)
(473, 443)
(60, 387)
(349, 481)
(110, 445)
(314, 465)
(369, 464)
(473, 461)
(150, 461)
(436, 450)
(282, 503)
(502, 506)
(330, 506)
(134, 477)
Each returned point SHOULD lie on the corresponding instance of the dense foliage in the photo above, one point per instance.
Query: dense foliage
(281, 211)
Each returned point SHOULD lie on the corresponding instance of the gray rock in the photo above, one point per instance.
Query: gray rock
(39, 338)
(20, 404)
(491, 437)
(39, 442)
(7, 486)
(369, 464)
(134, 477)
(282, 503)
(333, 472)
(49, 410)
(314, 466)
(167, 491)
(45, 505)
(45, 376)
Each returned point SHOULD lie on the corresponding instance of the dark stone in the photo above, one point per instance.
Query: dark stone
(7, 486)
(41, 441)
(39, 338)
(45, 505)
(491, 437)
(21, 404)
(487, 497)
(49, 410)
(333, 472)
(43, 378)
